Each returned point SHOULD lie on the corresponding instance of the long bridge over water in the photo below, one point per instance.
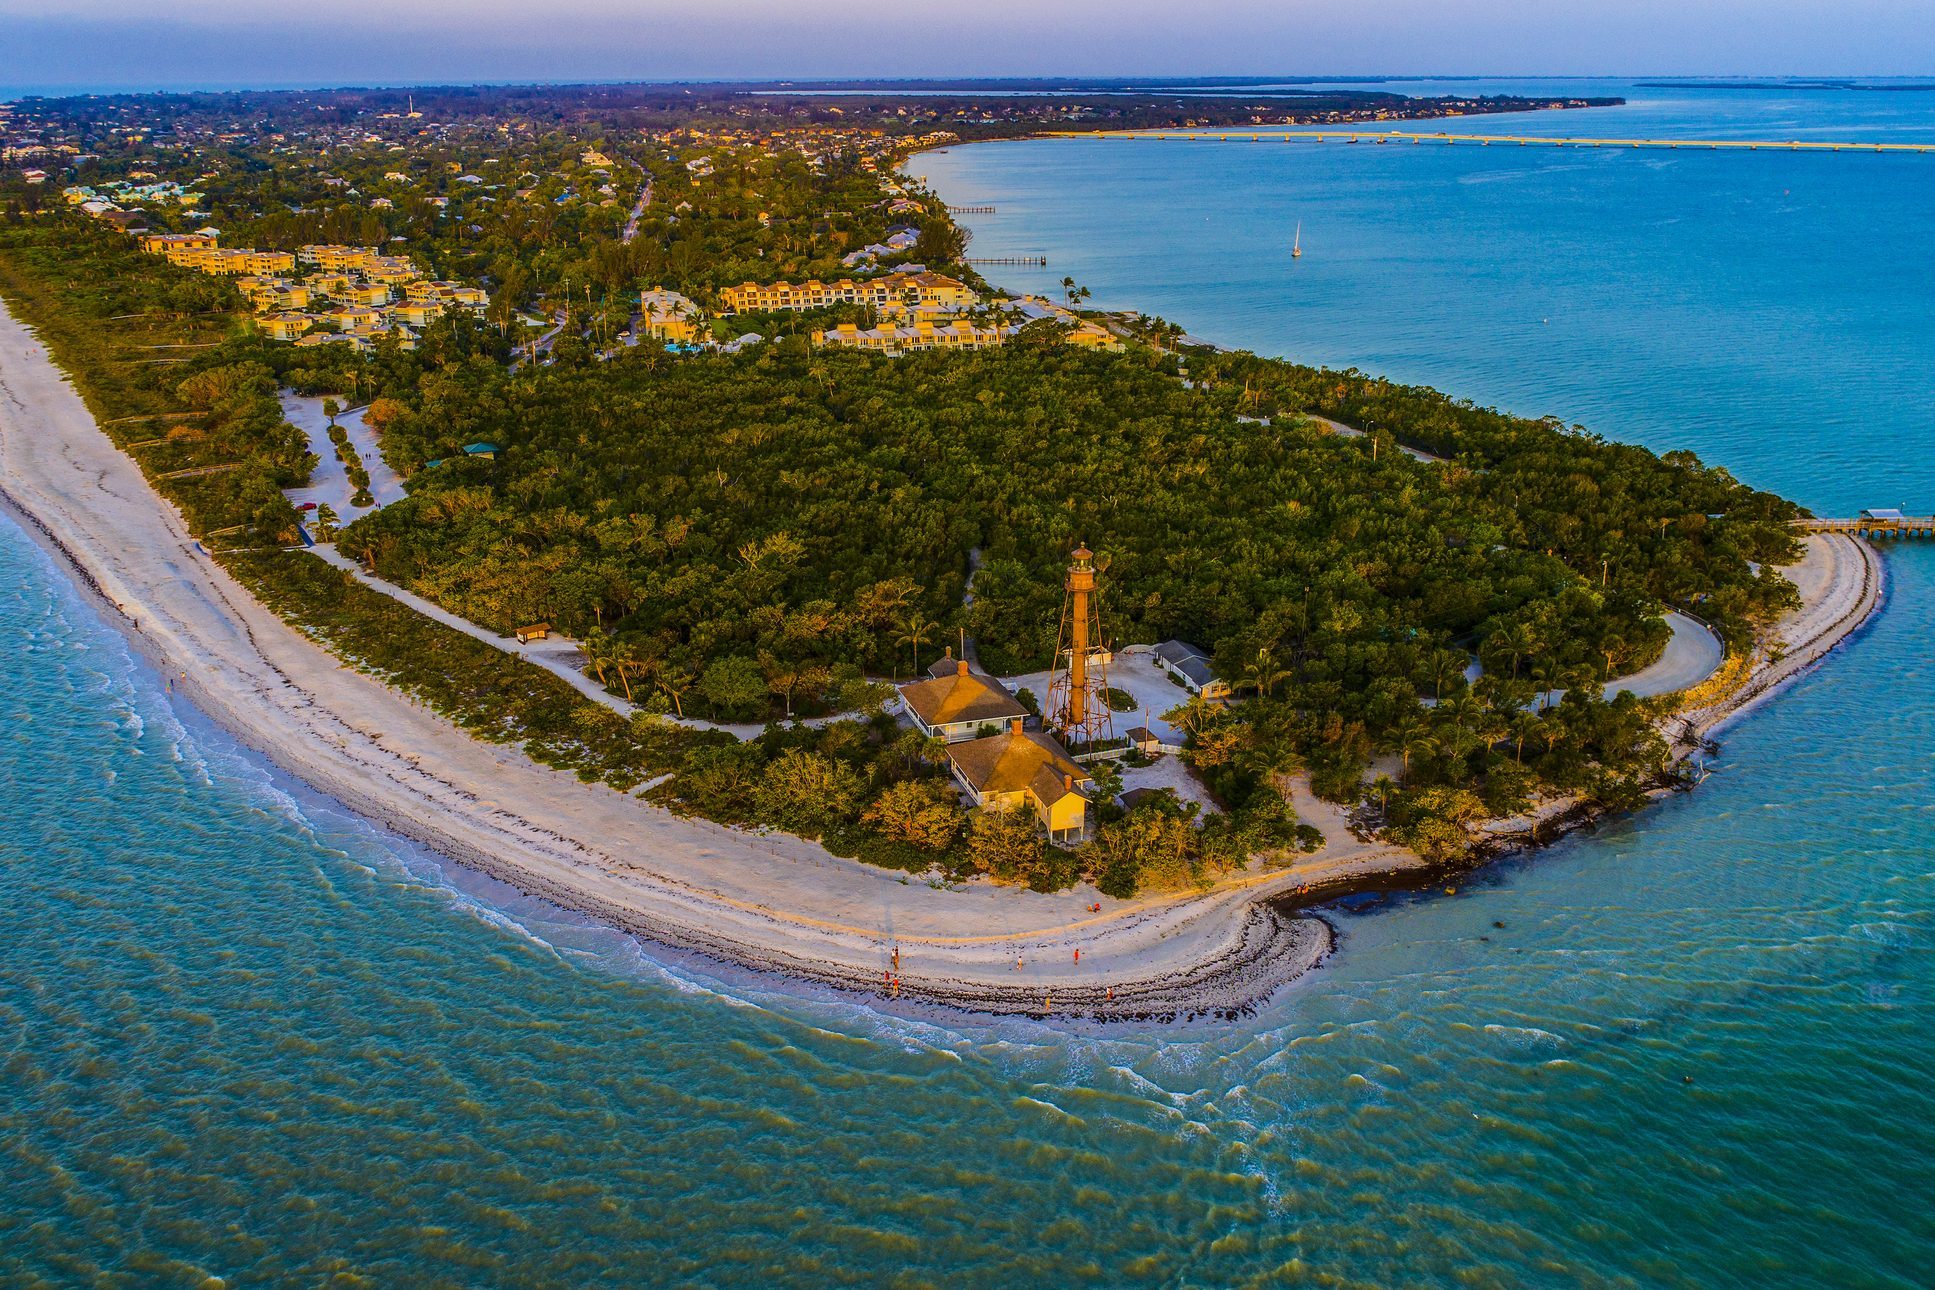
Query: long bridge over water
(1487, 140)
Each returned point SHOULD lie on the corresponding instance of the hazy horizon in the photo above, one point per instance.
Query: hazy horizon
(90, 45)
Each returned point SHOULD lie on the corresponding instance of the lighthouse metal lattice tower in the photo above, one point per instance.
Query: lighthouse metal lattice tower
(1078, 704)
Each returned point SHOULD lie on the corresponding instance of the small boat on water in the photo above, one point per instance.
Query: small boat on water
(1296, 243)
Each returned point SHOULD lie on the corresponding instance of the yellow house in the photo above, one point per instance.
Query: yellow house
(851, 335)
(673, 327)
(1025, 769)
(367, 293)
(285, 326)
(236, 262)
(926, 289)
(1090, 336)
(956, 706)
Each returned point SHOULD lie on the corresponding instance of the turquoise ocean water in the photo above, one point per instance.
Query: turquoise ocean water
(244, 1035)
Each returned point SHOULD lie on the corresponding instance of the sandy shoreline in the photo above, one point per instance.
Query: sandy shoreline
(768, 902)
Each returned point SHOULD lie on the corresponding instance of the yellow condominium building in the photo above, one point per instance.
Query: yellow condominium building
(192, 257)
(389, 268)
(285, 326)
(163, 243)
(367, 293)
(892, 288)
(924, 334)
(350, 317)
(270, 262)
(329, 256)
(330, 284)
(463, 297)
(416, 313)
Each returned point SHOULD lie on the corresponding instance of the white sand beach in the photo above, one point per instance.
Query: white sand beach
(765, 901)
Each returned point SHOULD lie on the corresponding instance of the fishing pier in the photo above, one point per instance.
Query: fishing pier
(1873, 524)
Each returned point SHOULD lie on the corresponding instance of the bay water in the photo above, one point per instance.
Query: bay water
(244, 1035)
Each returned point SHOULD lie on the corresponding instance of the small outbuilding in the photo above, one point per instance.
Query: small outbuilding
(1191, 666)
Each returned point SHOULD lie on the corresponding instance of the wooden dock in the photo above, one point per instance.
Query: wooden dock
(970, 210)
(1488, 140)
(1031, 261)
(1891, 526)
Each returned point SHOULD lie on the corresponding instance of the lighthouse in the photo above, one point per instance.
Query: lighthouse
(1078, 704)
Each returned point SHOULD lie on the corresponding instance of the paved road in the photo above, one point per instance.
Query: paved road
(558, 655)
(1691, 656)
(638, 211)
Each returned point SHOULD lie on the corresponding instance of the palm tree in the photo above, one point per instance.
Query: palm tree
(1412, 737)
(675, 680)
(1264, 675)
(625, 659)
(326, 522)
(914, 633)
(596, 647)
(1443, 661)
(1524, 726)
(1518, 640)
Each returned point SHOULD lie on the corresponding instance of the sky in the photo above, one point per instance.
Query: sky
(226, 43)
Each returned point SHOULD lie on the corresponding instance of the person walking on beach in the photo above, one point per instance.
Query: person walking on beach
(896, 958)
(1078, 954)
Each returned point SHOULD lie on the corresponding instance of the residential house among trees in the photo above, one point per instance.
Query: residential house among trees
(955, 707)
(1026, 768)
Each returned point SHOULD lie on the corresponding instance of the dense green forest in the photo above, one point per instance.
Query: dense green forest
(823, 505)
